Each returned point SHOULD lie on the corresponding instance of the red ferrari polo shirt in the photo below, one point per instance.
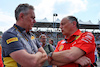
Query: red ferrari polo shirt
(84, 41)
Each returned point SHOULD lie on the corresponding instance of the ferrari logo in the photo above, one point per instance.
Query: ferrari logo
(61, 47)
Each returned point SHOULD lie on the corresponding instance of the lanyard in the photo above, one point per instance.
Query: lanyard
(30, 48)
(18, 31)
(76, 37)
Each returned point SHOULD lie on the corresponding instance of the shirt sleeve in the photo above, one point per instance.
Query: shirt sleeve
(86, 43)
(10, 43)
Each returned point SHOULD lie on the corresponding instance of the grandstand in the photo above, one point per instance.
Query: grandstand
(51, 29)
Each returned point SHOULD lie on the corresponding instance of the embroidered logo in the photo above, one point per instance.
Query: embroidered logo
(61, 47)
(12, 40)
(32, 37)
(63, 42)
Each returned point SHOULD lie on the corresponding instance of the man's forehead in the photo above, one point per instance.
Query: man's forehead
(31, 11)
(43, 36)
(64, 20)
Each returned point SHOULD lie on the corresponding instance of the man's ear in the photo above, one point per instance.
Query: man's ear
(74, 23)
(21, 15)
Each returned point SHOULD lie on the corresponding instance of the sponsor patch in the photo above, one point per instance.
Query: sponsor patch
(63, 42)
(84, 40)
(32, 37)
(61, 47)
(12, 40)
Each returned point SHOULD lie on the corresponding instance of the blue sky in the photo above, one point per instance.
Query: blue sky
(84, 10)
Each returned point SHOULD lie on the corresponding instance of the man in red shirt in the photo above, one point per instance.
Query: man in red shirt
(77, 47)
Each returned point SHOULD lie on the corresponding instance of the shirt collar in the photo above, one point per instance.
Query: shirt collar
(19, 28)
(77, 33)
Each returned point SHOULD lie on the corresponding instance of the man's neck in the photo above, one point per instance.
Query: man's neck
(18, 23)
(68, 35)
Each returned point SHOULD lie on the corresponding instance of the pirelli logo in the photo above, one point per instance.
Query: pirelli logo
(12, 40)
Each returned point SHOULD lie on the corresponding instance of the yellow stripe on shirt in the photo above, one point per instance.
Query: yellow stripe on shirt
(9, 62)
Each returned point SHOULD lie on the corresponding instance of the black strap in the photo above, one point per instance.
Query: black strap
(79, 65)
(49, 48)
(92, 65)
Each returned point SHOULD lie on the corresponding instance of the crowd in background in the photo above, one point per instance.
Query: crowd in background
(57, 36)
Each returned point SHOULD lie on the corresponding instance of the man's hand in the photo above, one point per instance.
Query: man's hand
(83, 61)
(44, 56)
(50, 57)
(42, 60)
(49, 60)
